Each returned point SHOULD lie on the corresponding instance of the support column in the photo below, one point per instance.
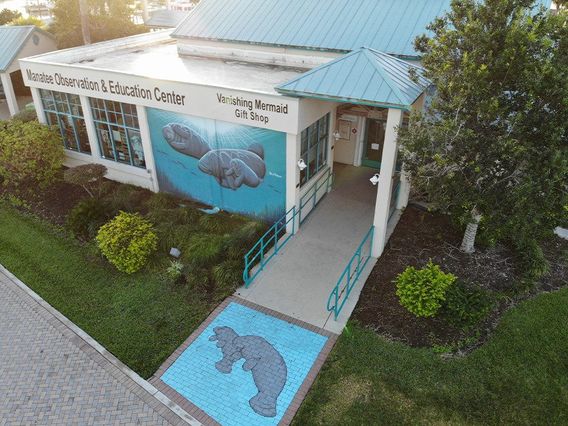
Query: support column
(384, 190)
(38, 105)
(292, 192)
(147, 146)
(91, 130)
(10, 94)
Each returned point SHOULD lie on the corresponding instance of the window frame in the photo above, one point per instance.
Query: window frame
(115, 116)
(59, 105)
(314, 148)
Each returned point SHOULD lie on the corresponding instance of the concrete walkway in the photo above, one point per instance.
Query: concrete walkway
(53, 373)
(297, 282)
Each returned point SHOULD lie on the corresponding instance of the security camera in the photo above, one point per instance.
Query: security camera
(375, 179)
(302, 164)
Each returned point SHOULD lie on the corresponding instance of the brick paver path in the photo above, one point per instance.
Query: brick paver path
(49, 374)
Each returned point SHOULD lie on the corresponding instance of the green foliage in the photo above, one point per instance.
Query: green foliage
(175, 270)
(108, 19)
(28, 20)
(127, 241)
(495, 140)
(422, 291)
(87, 217)
(227, 276)
(128, 198)
(204, 250)
(7, 16)
(466, 305)
(533, 260)
(30, 153)
(161, 200)
(89, 176)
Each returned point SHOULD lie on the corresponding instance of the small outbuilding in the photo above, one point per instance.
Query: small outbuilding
(18, 42)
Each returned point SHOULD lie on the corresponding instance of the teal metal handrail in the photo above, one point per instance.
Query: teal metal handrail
(310, 196)
(340, 293)
(269, 245)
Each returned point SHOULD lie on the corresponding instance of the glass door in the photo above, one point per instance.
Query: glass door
(374, 141)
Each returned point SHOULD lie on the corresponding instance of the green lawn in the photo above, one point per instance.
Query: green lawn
(140, 318)
(519, 377)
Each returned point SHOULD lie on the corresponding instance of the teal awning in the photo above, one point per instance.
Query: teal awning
(364, 76)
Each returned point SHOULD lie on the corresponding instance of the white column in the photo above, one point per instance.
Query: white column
(91, 130)
(384, 190)
(292, 192)
(9, 92)
(147, 146)
(38, 105)
(331, 139)
(404, 191)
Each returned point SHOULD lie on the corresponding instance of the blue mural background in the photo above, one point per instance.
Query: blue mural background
(180, 173)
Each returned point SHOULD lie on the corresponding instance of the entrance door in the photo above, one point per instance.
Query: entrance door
(374, 141)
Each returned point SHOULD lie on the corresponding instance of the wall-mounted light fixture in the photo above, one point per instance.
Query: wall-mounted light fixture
(302, 164)
(375, 179)
(337, 135)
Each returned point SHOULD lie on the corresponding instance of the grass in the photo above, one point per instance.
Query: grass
(140, 318)
(519, 377)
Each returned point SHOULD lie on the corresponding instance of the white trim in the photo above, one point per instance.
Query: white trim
(38, 105)
(91, 130)
(147, 146)
(384, 190)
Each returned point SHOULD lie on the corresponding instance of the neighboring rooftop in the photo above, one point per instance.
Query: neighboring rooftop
(154, 55)
(364, 76)
(165, 18)
(12, 40)
(389, 26)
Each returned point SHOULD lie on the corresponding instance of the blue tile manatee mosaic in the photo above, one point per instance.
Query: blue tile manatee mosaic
(261, 359)
(237, 168)
(246, 367)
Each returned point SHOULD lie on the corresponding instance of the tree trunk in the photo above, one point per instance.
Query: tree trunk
(468, 242)
(84, 13)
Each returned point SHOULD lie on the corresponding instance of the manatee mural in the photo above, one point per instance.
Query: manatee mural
(267, 366)
(231, 167)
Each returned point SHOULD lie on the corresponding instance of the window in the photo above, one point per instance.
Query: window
(64, 111)
(118, 132)
(314, 148)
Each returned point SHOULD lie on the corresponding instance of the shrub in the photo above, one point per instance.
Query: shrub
(30, 153)
(161, 200)
(87, 217)
(422, 291)
(466, 305)
(25, 115)
(128, 198)
(127, 241)
(89, 176)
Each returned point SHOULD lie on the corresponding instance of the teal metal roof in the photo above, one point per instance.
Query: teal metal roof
(12, 40)
(340, 25)
(364, 76)
(164, 18)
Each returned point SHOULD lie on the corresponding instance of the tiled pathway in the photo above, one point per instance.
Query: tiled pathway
(52, 373)
(245, 366)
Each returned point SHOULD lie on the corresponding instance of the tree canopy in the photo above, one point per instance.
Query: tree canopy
(108, 19)
(493, 145)
(7, 16)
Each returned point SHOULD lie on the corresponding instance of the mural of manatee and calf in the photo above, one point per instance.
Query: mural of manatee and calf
(231, 167)
(267, 366)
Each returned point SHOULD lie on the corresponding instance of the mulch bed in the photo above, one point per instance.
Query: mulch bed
(421, 236)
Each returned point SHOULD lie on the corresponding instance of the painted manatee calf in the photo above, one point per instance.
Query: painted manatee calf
(184, 140)
(235, 167)
(267, 366)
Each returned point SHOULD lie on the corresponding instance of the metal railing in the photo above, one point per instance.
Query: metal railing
(269, 245)
(340, 293)
(313, 196)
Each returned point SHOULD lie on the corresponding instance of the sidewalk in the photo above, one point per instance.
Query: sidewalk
(53, 373)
